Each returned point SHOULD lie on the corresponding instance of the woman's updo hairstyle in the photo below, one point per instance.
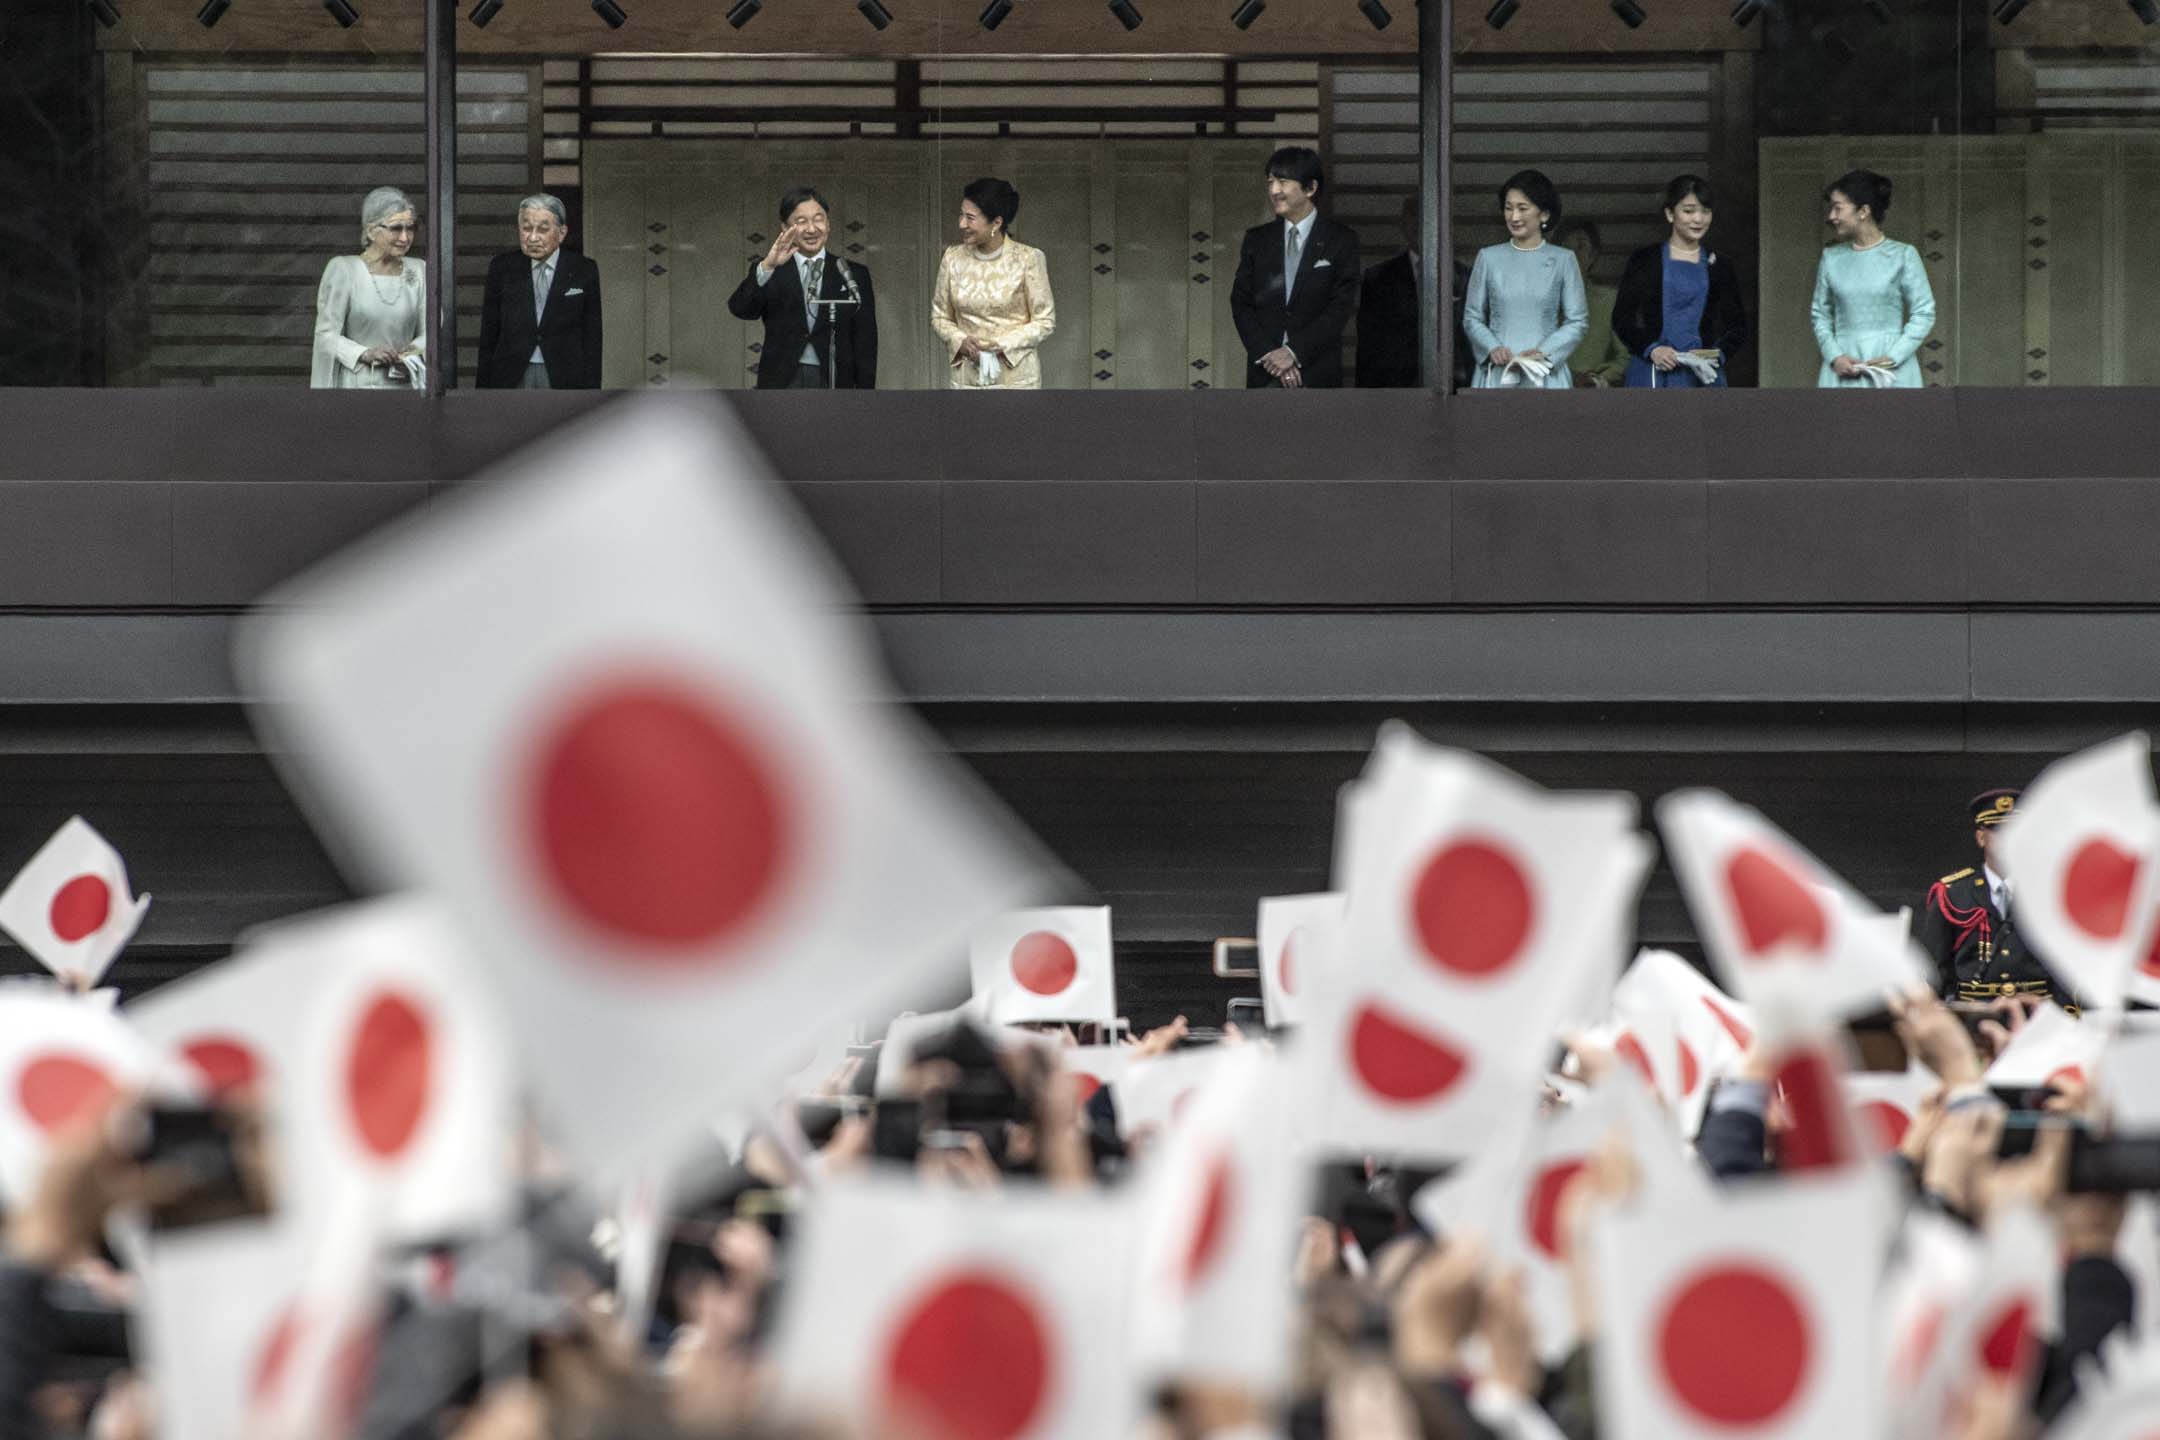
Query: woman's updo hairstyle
(382, 202)
(1864, 187)
(1538, 190)
(995, 198)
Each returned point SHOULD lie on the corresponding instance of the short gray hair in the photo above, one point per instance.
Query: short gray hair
(548, 203)
(382, 202)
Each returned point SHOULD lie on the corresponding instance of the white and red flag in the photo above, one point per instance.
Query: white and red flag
(1750, 1312)
(1687, 1033)
(1155, 1095)
(1772, 915)
(1222, 1226)
(614, 710)
(2082, 855)
(1476, 903)
(70, 907)
(1298, 936)
(232, 1026)
(1885, 1103)
(62, 1063)
(1046, 964)
(986, 1315)
(2052, 1045)
(1094, 1066)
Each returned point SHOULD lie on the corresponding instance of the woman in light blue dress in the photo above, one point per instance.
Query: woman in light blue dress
(1873, 305)
(1525, 298)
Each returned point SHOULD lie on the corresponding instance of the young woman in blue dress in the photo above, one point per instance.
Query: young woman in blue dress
(1873, 306)
(1680, 298)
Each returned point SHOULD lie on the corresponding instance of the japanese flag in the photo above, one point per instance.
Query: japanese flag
(61, 1064)
(1222, 1223)
(1050, 964)
(612, 709)
(2048, 1047)
(1682, 1032)
(260, 1329)
(2083, 847)
(1298, 939)
(1155, 1095)
(998, 1314)
(1476, 901)
(1885, 1103)
(1768, 908)
(70, 907)
(230, 1027)
(1962, 1311)
(1511, 1193)
(404, 1092)
(1094, 1066)
(1749, 1314)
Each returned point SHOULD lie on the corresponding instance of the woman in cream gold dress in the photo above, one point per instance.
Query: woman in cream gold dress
(992, 305)
(370, 313)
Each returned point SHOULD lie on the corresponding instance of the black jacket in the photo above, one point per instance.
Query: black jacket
(779, 303)
(569, 333)
(1387, 321)
(1638, 316)
(1318, 311)
(1975, 947)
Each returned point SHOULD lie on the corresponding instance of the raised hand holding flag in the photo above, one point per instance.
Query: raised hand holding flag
(70, 906)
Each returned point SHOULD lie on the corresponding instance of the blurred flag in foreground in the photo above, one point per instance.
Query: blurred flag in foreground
(612, 709)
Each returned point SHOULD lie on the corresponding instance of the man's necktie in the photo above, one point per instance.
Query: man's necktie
(1289, 262)
(540, 289)
(810, 294)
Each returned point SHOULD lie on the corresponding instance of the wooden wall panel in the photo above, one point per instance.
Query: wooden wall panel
(929, 27)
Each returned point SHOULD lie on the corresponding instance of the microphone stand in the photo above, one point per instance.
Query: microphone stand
(832, 315)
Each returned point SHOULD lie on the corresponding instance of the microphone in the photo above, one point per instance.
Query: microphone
(847, 278)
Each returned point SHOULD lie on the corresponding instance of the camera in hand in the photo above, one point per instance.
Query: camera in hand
(208, 1153)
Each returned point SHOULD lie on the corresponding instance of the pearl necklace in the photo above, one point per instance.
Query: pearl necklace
(396, 285)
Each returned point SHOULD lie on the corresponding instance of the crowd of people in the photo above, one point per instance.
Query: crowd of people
(1524, 309)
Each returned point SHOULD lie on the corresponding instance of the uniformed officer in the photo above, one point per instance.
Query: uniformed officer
(1968, 922)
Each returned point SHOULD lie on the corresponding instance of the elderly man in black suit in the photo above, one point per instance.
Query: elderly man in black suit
(1297, 282)
(1387, 323)
(810, 346)
(540, 314)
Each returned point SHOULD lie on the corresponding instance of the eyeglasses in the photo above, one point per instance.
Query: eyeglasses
(400, 229)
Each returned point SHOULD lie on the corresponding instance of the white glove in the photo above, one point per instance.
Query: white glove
(987, 368)
(1526, 370)
(1880, 376)
(1704, 366)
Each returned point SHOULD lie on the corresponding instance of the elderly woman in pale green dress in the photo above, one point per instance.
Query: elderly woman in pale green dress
(1873, 306)
(371, 309)
(1525, 300)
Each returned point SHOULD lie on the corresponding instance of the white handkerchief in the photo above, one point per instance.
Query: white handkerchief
(1322, 264)
(578, 291)
(987, 368)
(1879, 375)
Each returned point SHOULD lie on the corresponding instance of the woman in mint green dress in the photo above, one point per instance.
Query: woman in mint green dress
(1873, 306)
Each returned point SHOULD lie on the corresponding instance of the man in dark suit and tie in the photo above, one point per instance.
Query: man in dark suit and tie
(1297, 282)
(1387, 317)
(540, 314)
(810, 347)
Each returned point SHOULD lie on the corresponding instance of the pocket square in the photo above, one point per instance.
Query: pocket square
(568, 293)
(1322, 264)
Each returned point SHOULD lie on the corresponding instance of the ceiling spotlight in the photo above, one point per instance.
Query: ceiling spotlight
(2147, 11)
(1745, 11)
(484, 12)
(995, 12)
(878, 16)
(1631, 14)
(2008, 10)
(1881, 10)
(611, 12)
(342, 11)
(1127, 15)
(212, 12)
(1502, 12)
(1375, 12)
(106, 15)
(1247, 12)
(742, 12)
